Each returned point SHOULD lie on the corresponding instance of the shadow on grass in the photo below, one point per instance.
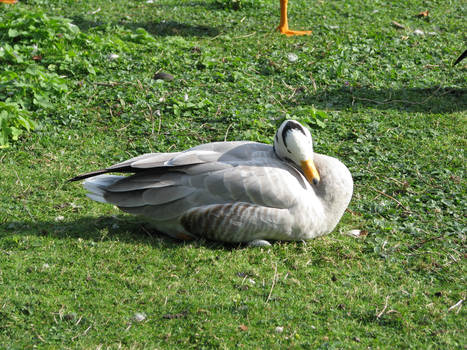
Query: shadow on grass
(171, 28)
(105, 228)
(428, 100)
(160, 28)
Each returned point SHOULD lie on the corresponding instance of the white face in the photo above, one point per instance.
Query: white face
(293, 142)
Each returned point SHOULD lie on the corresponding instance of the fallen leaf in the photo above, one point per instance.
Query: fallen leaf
(397, 25)
(172, 316)
(37, 58)
(423, 14)
(243, 327)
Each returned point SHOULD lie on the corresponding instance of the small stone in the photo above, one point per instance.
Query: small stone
(353, 233)
(113, 56)
(259, 243)
(292, 57)
(163, 76)
(60, 218)
(279, 329)
(418, 32)
(70, 317)
(139, 317)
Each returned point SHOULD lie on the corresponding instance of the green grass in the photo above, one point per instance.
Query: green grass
(73, 273)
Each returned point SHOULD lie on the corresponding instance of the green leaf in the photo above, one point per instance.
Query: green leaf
(15, 132)
(42, 100)
(13, 33)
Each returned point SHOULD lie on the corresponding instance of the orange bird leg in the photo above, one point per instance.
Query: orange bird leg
(284, 25)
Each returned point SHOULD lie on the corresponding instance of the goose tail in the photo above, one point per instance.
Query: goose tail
(97, 186)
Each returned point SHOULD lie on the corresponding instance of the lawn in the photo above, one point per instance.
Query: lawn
(375, 85)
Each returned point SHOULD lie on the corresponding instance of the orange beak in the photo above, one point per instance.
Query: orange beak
(310, 171)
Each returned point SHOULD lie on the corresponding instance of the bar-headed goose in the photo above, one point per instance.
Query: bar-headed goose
(236, 191)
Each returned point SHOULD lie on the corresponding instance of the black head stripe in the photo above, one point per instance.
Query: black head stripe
(290, 126)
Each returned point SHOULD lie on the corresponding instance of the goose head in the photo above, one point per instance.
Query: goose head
(293, 143)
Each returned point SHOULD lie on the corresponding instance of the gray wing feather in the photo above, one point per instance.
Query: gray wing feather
(148, 180)
(158, 196)
(193, 157)
(148, 197)
(252, 185)
(205, 168)
(125, 199)
(144, 161)
(152, 162)
(174, 209)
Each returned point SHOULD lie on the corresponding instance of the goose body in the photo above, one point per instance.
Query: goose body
(232, 191)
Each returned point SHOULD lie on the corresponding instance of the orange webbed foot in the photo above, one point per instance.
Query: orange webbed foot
(289, 32)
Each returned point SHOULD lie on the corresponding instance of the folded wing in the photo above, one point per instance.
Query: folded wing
(217, 190)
